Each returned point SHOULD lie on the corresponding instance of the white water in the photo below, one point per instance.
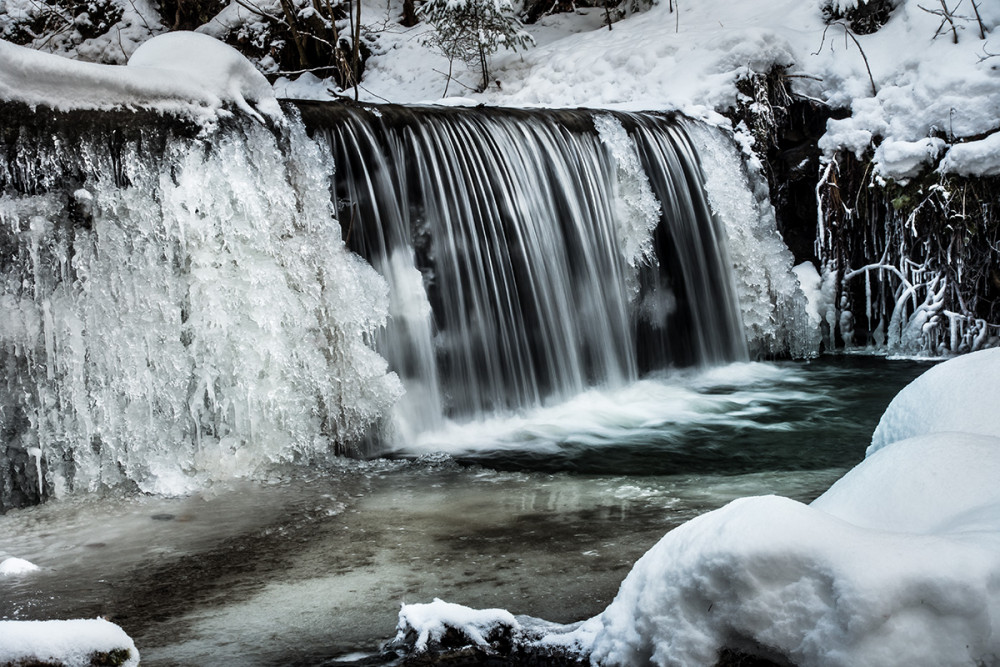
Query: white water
(731, 396)
(544, 255)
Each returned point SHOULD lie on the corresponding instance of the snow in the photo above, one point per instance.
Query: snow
(929, 91)
(180, 72)
(959, 395)
(215, 65)
(10, 567)
(69, 643)
(932, 98)
(431, 621)
(897, 563)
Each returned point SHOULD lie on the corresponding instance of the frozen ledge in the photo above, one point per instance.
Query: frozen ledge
(181, 73)
(76, 643)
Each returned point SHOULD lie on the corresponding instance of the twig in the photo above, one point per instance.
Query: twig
(979, 19)
(451, 78)
(848, 33)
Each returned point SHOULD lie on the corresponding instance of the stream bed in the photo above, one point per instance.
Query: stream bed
(541, 513)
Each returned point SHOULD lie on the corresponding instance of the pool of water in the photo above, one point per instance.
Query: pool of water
(540, 513)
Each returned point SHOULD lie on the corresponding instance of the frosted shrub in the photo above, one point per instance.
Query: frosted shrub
(472, 30)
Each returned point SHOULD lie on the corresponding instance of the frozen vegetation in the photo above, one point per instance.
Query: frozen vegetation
(896, 563)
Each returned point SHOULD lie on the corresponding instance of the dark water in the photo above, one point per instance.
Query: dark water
(540, 513)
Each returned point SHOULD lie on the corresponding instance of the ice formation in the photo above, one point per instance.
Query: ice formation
(183, 316)
(761, 260)
(639, 211)
(71, 643)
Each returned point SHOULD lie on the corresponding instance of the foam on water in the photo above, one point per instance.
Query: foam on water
(732, 396)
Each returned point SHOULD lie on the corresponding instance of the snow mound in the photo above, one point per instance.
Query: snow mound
(70, 643)
(813, 588)
(430, 622)
(16, 566)
(214, 64)
(185, 73)
(958, 395)
(897, 563)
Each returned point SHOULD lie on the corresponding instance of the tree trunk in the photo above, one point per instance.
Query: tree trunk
(409, 14)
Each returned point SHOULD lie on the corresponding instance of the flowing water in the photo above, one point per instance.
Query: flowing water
(541, 344)
(542, 513)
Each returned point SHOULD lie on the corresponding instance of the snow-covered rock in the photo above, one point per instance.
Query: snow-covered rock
(427, 624)
(10, 567)
(959, 395)
(68, 643)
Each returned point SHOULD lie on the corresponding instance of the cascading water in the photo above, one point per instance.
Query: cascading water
(181, 307)
(540, 254)
(534, 254)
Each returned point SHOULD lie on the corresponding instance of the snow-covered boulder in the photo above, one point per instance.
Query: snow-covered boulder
(11, 567)
(897, 564)
(960, 395)
(75, 643)
(424, 625)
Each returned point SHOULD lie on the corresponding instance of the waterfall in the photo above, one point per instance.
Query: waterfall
(540, 252)
(181, 305)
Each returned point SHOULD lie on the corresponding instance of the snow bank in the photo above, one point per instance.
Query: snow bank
(180, 72)
(960, 395)
(16, 566)
(70, 643)
(927, 91)
(898, 563)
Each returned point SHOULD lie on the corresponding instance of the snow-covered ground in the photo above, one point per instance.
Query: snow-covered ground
(928, 90)
(897, 563)
(914, 94)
